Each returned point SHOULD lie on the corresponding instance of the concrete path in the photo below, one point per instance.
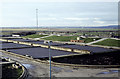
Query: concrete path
(96, 41)
(46, 36)
(115, 38)
(43, 37)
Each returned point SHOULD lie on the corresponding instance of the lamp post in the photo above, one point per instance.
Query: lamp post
(49, 59)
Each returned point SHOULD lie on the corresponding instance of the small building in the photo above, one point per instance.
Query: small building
(15, 35)
(79, 39)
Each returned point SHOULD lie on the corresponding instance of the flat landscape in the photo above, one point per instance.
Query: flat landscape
(60, 39)
(109, 42)
(97, 55)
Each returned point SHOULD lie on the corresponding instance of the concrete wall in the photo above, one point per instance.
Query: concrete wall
(26, 43)
(3, 40)
(35, 44)
(61, 48)
(44, 46)
(53, 47)
(15, 42)
(81, 51)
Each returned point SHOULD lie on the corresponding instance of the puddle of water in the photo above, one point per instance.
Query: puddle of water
(27, 65)
(68, 71)
(108, 72)
(103, 73)
(114, 71)
(56, 68)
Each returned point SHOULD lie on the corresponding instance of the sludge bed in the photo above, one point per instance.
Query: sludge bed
(111, 58)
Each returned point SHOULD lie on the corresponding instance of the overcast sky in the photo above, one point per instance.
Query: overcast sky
(56, 13)
(59, 0)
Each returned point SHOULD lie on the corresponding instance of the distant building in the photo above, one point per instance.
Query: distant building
(79, 39)
(15, 35)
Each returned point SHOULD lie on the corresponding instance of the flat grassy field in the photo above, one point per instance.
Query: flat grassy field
(34, 36)
(109, 42)
(61, 38)
(87, 40)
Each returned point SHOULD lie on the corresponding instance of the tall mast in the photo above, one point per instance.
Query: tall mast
(37, 18)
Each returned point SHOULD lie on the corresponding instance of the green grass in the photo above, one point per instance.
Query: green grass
(87, 40)
(34, 36)
(68, 38)
(61, 38)
(109, 42)
(11, 72)
(19, 72)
